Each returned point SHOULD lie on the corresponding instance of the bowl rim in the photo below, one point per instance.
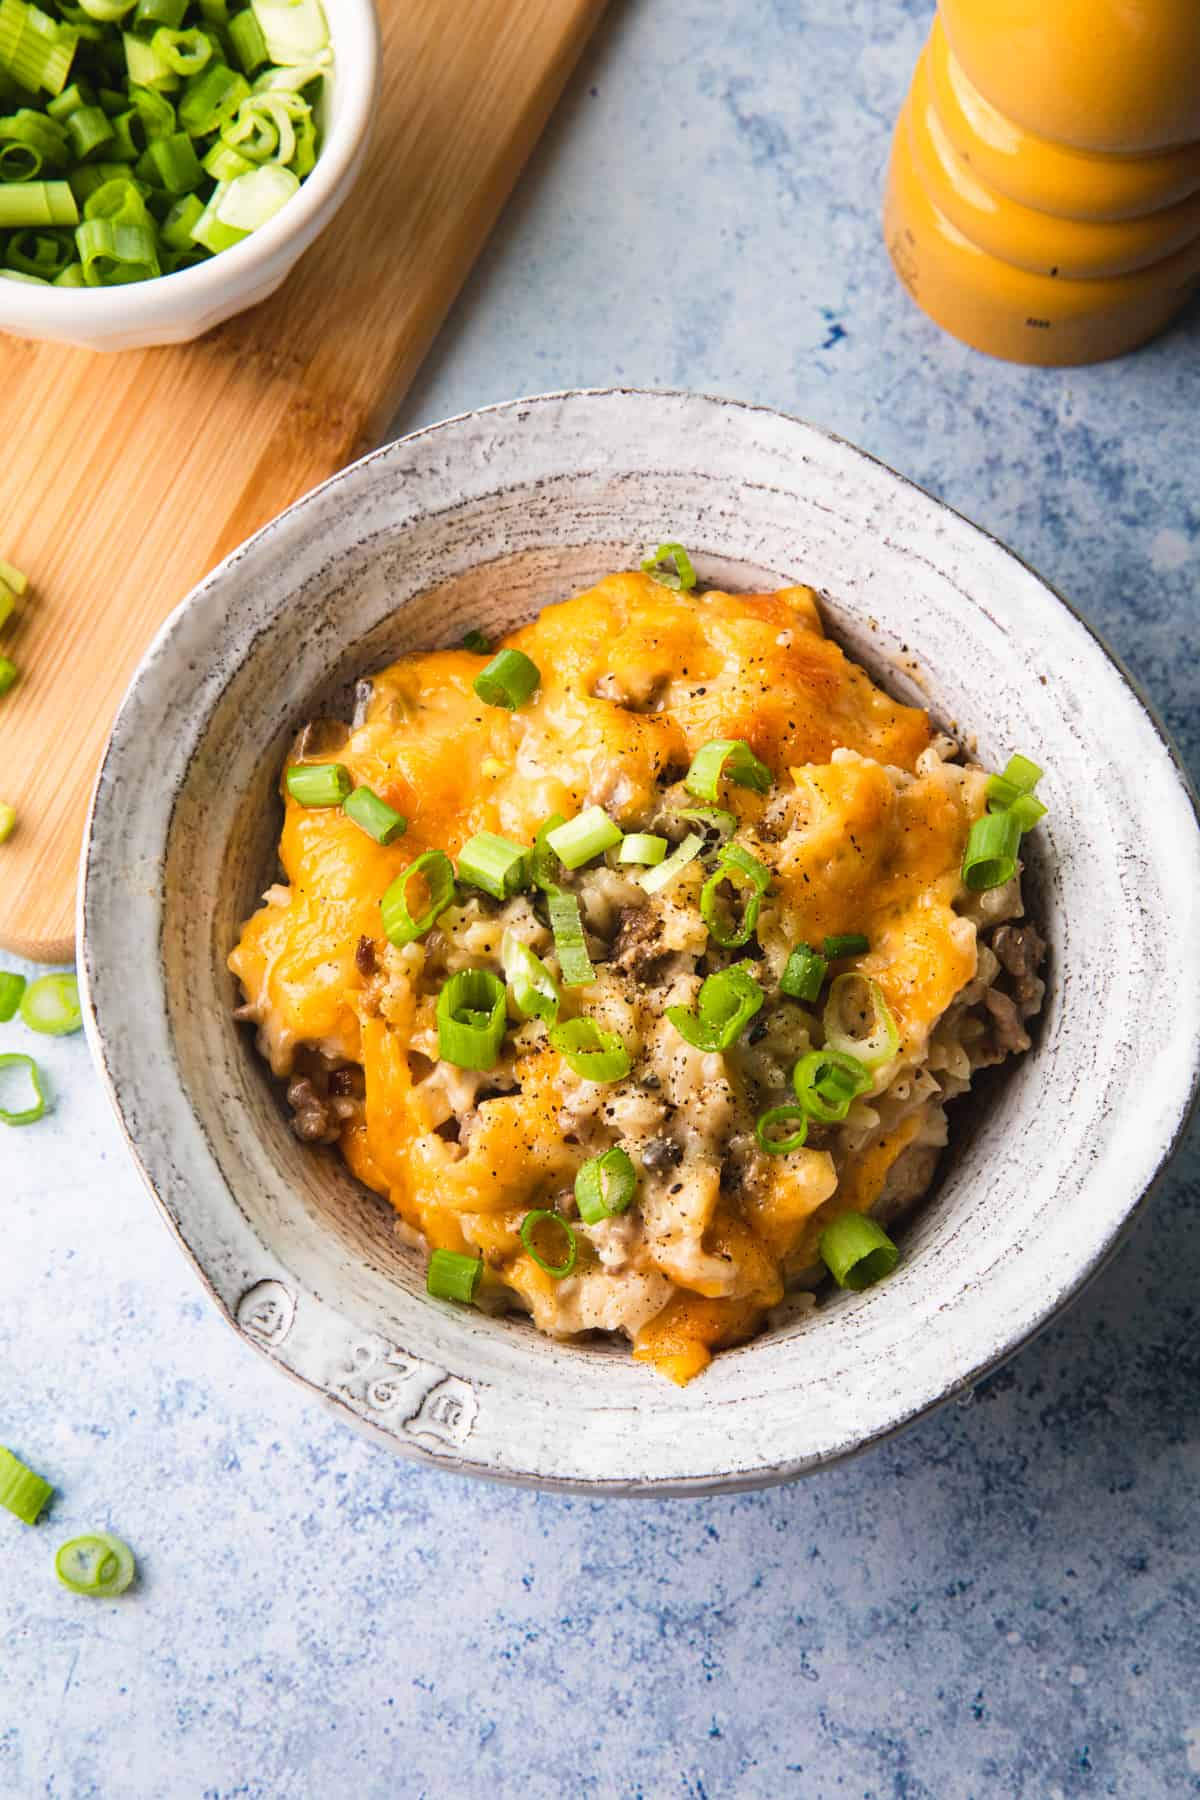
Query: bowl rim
(762, 1474)
(47, 312)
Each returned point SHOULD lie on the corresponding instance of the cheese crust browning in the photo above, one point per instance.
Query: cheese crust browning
(863, 829)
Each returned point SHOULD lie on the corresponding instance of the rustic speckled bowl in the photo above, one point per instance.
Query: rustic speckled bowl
(479, 522)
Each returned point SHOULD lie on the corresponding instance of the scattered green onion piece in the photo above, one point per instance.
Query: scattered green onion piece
(1022, 774)
(453, 1276)
(856, 1251)
(825, 1083)
(545, 870)
(319, 784)
(12, 986)
(656, 879)
(726, 1004)
(713, 818)
(471, 1019)
(1027, 809)
(294, 31)
(643, 847)
(593, 1053)
(803, 974)
(583, 838)
(776, 1117)
(374, 816)
(744, 871)
(8, 821)
(400, 925)
(51, 1005)
(850, 943)
(473, 640)
(493, 863)
(35, 50)
(99, 1565)
(990, 858)
(570, 944)
(682, 576)
(731, 758)
(22, 1492)
(858, 1021)
(249, 44)
(605, 1186)
(170, 163)
(114, 255)
(560, 1270)
(508, 680)
(1000, 793)
(29, 1114)
(530, 982)
(36, 202)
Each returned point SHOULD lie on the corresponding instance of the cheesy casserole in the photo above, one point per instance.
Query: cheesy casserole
(744, 958)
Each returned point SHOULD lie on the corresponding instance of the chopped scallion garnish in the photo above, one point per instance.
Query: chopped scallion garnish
(534, 1222)
(583, 838)
(545, 870)
(508, 681)
(605, 1186)
(728, 758)
(475, 640)
(529, 981)
(856, 1251)
(22, 1492)
(792, 1121)
(740, 870)
(28, 1115)
(683, 576)
(319, 784)
(643, 847)
(453, 1276)
(990, 858)
(493, 863)
(98, 1565)
(858, 1021)
(471, 1019)
(593, 1053)
(726, 1004)
(379, 820)
(825, 1083)
(566, 923)
(850, 943)
(656, 879)
(51, 1005)
(803, 974)
(434, 870)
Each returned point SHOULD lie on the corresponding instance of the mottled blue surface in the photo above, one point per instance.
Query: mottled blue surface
(1005, 1601)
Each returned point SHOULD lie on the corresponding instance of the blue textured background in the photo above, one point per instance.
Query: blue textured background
(1003, 1602)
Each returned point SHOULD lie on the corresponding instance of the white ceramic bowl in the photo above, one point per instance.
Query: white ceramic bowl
(479, 522)
(175, 308)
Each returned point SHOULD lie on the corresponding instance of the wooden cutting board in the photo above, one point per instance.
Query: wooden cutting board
(124, 478)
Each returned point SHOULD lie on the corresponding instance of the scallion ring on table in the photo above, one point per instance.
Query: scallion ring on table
(530, 982)
(681, 578)
(51, 1005)
(434, 870)
(471, 1019)
(858, 1021)
(23, 1492)
(729, 759)
(605, 1186)
(856, 1251)
(826, 1082)
(726, 1003)
(531, 1223)
(591, 1051)
(28, 1115)
(99, 1565)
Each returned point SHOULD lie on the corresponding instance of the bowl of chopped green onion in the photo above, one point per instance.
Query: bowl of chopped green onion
(457, 535)
(164, 163)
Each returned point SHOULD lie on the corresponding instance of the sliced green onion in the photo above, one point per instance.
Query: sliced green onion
(42, 253)
(530, 982)
(493, 863)
(656, 879)
(682, 576)
(1000, 793)
(1022, 774)
(593, 1053)
(98, 1565)
(319, 784)
(159, 12)
(89, 131)
(990, 858)
(294, 31)
(22, 1492)
(731, 758)
(30, 142)
(186, 52)
(249, 44)
(453, 1276)
(8, 821)
(72, 276)
(1027, 809)
(803, 974)
(643, 847)
(210, 98)
(744, 871)
(558, 1271)
(119, 201)
(401, 926)
(545, 870)
(471, 1019)
(379, 820)
(248, 201)
(858, 1021)
(605, 1186)
(792, 1120)
(856, 1251)
(850, 943)
(170, 163)
(35, 50)
(155, 111)
(12, 986)
(113, 255)
(51, 1005)
(179, 222)
(225, 165)
(825, 1083)
(583, 838)
(30, 1114)
(36, 202)
(145, 67)
(476, 641)
(713, 818)
(726, 1004)
(508, 680)
(566, 923)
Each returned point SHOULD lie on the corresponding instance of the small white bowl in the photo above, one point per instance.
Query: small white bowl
(176, 308)
(479, 522)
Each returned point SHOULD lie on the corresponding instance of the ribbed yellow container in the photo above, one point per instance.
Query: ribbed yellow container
(1043, 199)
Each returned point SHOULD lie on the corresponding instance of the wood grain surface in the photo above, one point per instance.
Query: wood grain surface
(125, 478)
